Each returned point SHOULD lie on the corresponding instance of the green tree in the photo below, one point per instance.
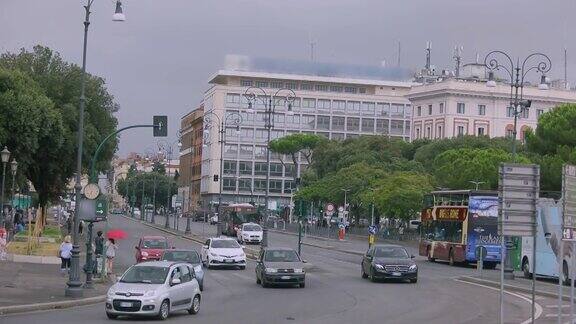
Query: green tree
(295, 145)
(145, 182)
(457, 167)
(555, 132)
(159, 168)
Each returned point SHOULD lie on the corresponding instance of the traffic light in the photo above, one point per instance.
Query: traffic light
(215, 178)
(160, 126)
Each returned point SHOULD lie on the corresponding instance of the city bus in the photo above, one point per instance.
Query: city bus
(235, 215)
(455, 222)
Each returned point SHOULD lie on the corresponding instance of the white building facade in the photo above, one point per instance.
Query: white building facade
(337, 108)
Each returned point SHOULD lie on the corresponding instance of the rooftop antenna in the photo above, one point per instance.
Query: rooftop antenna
(458, 58)
(312, 44)
(428, 51)
(399, 53)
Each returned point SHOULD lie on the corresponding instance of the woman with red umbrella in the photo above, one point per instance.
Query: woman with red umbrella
(111, 247)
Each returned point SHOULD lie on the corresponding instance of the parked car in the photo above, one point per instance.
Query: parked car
(189, 256)
(137, 212)
(414, 224)
(214, 219)
(150, 248)
(281, 266)
(223, 252)
(388, 261)
(154, 289)
(249, 233)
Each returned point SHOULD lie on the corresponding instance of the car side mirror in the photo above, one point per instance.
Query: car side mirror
(368, 256)
(205, 246)
(175, 281)
(304, 261)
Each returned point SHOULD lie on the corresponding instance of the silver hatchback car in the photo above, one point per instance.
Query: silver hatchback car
(154, 289)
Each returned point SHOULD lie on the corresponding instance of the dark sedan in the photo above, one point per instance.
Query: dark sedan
(389, 262)
(280, 266)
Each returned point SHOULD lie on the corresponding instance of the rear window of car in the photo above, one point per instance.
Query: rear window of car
(184, 256)
(281, 256)
(154, 244)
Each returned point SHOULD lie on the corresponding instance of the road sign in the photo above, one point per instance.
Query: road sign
(341, 209)
(101, 209)
(518, 191)
(329, 209)
(93, 210)
(569, 202)
(372, 229)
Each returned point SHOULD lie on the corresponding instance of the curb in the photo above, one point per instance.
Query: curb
(250, 254)
(496, 284)
(6, 310)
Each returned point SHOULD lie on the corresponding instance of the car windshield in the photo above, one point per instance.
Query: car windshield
(390, 252)
(184, 256)
(252, 228)
(145, 274)
(225, 244)
(154, 244)
(281, 256)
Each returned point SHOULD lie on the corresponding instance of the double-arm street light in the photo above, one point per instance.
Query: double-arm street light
(74, 285)
(270, 102)
(230, 119)
(4, 157)
(167, 149)
(537, 62)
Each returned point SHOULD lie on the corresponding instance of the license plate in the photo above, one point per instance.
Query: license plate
(229, 261)
(396, 274)
(285, 277)
(125, 304)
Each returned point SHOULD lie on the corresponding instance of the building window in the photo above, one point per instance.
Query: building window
(323, 122)
(260, 152)
(509, 133)
(336, 88)
(480, 131)
(323, 104)
(362, 90)
(245, 83)
(276, 169)
(276, 186)
(441, 107)
(288, 186)
(510, 112)
(259, 168)
(429, 110)
(233, 98)
(262, 84)
(229, 184)
(259, 185)
(245, 168)
(417, 133)
(230, 150)
(368, 108)
(439, 135)
(353, 106)
(291, 85)
(229, 167)
(276, 84)
(245, 185)
(382, 109)
(525, 113)
(460, 108)
(289, 170)
(350, 89)
(460, 130)
(321, 87)
(428, 132)
(397, 110)
(337, 136)
(419, 111)
(539, 112)
(339, 105)
(338, 123)
(482, 110)
(308, 103)
(368, 125)
(382, 126)
(396, 127)
(353, 124)
(306, 86)
(308, 121)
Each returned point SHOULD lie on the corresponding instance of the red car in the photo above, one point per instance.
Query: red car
(150, 248)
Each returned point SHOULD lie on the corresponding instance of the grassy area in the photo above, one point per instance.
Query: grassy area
(43, 249)
(49, 231)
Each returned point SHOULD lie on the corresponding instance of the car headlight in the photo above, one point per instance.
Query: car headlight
(144, 253)
(379, 266)
(413, 268)
(198, 269)
(271, 270)
(298, 270)
(245, 234)
(111, 293)
(213, 254)
(150, 293)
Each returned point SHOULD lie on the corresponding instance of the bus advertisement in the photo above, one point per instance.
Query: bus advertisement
(455, 223)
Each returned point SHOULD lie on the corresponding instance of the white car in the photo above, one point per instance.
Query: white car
(156, 288)
(223, 252)
(249, 233)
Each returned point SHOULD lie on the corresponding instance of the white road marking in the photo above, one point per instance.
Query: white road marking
(556, 306)
(538, 312)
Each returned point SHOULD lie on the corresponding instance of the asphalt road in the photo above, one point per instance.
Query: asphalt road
(334, 293)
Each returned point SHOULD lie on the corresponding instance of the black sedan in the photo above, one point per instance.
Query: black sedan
(280, 266)
(389, 261)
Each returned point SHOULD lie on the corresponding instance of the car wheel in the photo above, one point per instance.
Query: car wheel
(258, 281)
(201, 286)
(164, 311)
(371, 275)
(451, 261)
(526, 269)
(565, 274)
(430, 258)
(242, 267)
(111, 316)
(264, 283)
(415, 280)
(364, 275)
(302, 285)
(195, 307)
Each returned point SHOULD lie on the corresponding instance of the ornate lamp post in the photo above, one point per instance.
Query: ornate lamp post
(537, 62)
(270, 102)
(4, 156)
(14, 169)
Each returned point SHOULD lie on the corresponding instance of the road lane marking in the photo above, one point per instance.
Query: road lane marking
(556, 306)
(538, 312)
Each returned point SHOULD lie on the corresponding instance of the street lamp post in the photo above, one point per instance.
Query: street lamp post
(4, 156)
(517, 74)
(142, 206)
(14, 169)
(231, 119)
(270, 102)
(74, 284)
(477, 183)
(345, 204)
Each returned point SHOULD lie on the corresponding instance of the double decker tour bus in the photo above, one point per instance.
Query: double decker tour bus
(234, 215)
(455, 222)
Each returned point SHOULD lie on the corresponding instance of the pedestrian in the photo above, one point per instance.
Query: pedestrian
(65, 253)
(2, 244)
(81, 227)
(69, 225)
(401, 232)
(99, 242)
(111, 248)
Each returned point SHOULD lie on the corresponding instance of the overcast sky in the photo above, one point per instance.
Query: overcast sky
(158, 60)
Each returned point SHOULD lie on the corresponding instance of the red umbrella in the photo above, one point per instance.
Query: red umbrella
(117, 234)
